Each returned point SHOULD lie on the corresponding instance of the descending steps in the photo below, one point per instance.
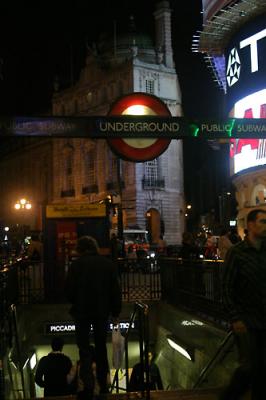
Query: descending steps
(198, 394)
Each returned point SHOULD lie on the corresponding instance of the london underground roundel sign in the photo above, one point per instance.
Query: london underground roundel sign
(139, 149)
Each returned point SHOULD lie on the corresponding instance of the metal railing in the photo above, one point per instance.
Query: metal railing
(141, 313)
(194, 285)
(140, 279)
(224, 347)
(30, 283)
(10, 340)
(191, 284)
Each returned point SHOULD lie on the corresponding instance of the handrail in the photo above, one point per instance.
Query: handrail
(2, 380)
(143, 311)
(209, 365)
(15, 326)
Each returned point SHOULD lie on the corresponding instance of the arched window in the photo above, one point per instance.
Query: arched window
(67, 173)
(112, 178)
(258, 195)
(90, 169)
(90, 166)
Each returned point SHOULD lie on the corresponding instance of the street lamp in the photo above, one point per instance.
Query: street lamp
(22, 204)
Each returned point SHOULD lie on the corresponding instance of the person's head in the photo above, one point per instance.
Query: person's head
(151, 354)
(150, 357)
(87, 244)
(256, 224)
(57, 343)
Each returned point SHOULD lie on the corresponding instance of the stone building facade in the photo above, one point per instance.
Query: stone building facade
(85, 169)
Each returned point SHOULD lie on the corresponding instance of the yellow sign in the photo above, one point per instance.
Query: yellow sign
(80, 210)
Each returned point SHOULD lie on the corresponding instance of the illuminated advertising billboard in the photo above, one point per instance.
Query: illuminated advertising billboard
(246, 90)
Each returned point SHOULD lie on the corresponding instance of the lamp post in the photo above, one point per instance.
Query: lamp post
(23, 205)
(188, 217)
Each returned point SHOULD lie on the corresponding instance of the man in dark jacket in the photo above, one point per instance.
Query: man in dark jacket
(93, 288)
(136, 382)
(244, 295)
(52, 370)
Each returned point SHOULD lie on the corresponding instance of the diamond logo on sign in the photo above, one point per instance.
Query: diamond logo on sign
(233, 67)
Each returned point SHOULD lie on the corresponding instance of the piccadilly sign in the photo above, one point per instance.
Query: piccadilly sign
(134, 148)
(70, 327)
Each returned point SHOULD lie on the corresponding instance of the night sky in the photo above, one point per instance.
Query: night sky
(37, 40)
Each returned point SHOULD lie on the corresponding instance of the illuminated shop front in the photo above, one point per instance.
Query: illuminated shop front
(246, 98)
(233, 41)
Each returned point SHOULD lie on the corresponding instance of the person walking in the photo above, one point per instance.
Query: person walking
(35, 249)
(53, 369)
(137, 383)
(93, 288)
(224, 243)
(244, 298)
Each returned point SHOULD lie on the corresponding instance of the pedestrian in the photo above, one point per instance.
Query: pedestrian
(244, 297)
(161, 245)
(234, 236)
(224, 243)
(35, 249)
(52, 370)
(114, 247)
(131, 257)
(136, 382)
(74, 380)
(93, 288)
(210, 251)
(188, 249)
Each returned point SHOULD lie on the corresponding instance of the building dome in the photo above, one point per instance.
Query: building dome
(141, 40)
(127, 45)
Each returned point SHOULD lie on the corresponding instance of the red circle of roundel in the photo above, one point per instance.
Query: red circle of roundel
(124, 150)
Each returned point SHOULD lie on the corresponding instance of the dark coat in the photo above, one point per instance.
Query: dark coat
(51, 374)
(136, 380)
(244, 284)
(93, 288)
